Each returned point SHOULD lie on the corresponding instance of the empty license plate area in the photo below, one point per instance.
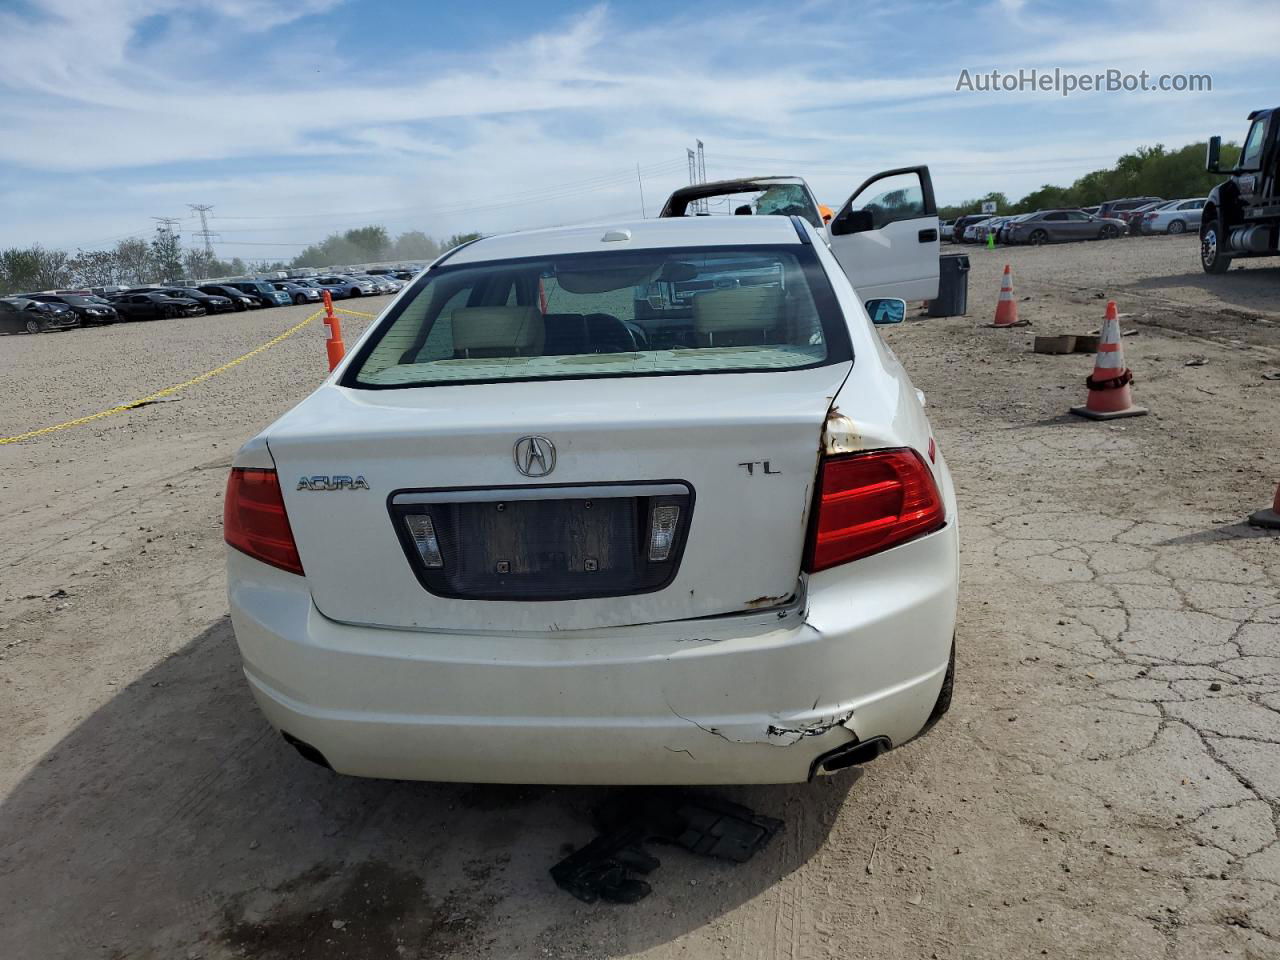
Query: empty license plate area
(544, 543)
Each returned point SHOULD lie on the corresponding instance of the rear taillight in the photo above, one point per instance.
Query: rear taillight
(868, 502)
(254, 520)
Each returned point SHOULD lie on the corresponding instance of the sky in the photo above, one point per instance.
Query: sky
(297, 118)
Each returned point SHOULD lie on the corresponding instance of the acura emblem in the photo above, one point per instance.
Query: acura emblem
(535, 456)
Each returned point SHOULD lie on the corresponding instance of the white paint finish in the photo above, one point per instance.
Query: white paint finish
(693, 702)
(692, 429)
(891, 261)
(627, 690)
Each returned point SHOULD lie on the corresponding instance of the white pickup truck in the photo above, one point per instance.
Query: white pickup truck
(885, 236)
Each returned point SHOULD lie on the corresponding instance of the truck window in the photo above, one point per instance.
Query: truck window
(1251, 156)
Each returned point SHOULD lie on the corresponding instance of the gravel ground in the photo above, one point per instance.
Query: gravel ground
(1107, 783)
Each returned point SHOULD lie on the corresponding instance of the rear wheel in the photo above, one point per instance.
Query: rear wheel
(1177, 226)
(33, 326)
(1109, 232)
(1037, 237)
(1213, 256)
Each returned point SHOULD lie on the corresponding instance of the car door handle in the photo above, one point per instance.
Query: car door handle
(928, 236)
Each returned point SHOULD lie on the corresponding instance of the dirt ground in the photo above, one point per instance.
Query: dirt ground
(1107, 783)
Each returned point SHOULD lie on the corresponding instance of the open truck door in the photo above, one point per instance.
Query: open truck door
(886, 236)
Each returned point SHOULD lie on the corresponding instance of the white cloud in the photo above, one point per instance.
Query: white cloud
(443, 143)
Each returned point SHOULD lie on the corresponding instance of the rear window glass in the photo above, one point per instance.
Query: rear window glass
(670, 311)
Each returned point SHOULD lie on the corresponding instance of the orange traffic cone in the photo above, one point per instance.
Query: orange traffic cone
(1268, 518)
(1006, 306)
(1109, 395)
(333, 333)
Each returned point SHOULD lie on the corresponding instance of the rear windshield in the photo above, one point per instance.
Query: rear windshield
(645, 313)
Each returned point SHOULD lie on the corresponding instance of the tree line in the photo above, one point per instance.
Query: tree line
(134, 261)
(1147, 172)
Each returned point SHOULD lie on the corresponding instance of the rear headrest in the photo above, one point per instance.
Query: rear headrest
(501, 331)
(738, 308)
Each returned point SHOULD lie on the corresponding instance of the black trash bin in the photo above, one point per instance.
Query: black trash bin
(953, 287)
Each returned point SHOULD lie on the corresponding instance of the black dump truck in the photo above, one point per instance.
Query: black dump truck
(1242, 217)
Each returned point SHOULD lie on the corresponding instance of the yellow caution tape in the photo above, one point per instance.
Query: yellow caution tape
(357, 313)
(161, 394)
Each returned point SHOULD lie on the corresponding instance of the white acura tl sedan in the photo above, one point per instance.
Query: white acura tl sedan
(527, 532)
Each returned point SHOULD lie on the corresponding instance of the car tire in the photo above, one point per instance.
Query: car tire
(33, 326)
(943, 703)
(1108, 232)
(1037, 238)
(299, 300)
(1212, 238)
(1177, 226)
(354, 292)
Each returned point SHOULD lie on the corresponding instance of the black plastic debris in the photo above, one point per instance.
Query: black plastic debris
(606, 868)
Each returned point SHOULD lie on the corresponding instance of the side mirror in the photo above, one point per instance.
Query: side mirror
(852, 221)
(1212, 155)
(884, 310)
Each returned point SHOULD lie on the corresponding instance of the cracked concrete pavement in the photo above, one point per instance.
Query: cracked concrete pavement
(1107, 783)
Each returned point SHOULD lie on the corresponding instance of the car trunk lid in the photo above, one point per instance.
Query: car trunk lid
(734, 454)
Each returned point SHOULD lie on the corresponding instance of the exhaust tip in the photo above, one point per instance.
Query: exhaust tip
(850, 755)
(307, 751)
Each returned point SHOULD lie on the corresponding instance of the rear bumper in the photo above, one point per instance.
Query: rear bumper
(755, 698)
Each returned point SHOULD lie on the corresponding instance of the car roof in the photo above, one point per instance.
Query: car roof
(662, 233)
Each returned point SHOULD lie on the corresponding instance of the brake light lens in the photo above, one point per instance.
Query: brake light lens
(869, 502)
(254, 519)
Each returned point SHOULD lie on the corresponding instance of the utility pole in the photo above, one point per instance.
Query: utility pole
(166, 224)
(697, 174)
(204, 233)
(643, 215)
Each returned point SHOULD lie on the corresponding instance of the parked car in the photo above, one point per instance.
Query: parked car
(1092, 211)
(381, 285)
(971, 231)
(1053, 226)
(153, 305)
(89, 310)
(947, 228)
(343, 286)
(497, 545)
(22, 313)
(262, 291)
(986, 228)
(212, 302)
(1133, 218)
(1113, 209)
(298, 292)
(1176, 216)
(963, 223)
(1003, 235)
(240, 301)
